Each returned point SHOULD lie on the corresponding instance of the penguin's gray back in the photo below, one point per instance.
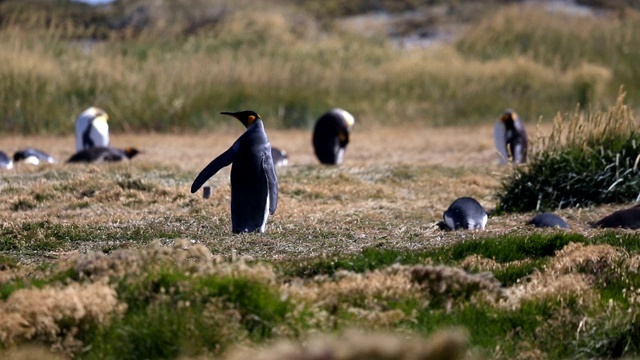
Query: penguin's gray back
(465, 213)
(548, 220)
(249, 185)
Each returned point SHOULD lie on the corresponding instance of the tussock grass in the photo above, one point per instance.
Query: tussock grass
(186, 62)
(590, 158)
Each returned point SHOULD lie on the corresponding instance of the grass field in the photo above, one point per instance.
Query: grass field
(102, 234)
(121, 261)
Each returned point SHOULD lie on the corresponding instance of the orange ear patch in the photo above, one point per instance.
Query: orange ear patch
(251, 119)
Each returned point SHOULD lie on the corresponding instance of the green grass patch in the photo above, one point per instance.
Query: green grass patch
(589, 159)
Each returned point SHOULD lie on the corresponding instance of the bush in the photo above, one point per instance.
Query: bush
(592, 160)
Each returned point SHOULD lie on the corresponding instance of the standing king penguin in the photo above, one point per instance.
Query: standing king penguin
(510, 138)
(331, 136)
(254, 184)
(92, 129)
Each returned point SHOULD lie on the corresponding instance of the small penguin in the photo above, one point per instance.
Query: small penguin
(280, 157)
(103, 154)
(92, 129)
(465, 213)
(254, 184)
(510, 138)
(331, 136)
(626, 219)
(5, 161)
(548, 220)
(33, 156)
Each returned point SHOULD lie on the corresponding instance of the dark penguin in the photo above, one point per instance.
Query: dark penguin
(465, 213)
(331, 136)
(548, 220)
(510, 138)
(626, 219)
(254, 184)
(280, 157)
(103, 154)
(5, 161)
(33, 156)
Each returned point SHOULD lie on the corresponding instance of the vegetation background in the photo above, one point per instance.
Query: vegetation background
(121, 261)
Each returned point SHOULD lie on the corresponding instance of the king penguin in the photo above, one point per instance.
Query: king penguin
(103, 154)
(254, 184)
(465, 213)
(625, 219)
(331, 136)
(92, 129)
(5, 161)
(279, 156)
(548, 220)
(33, 156)
(510, 138)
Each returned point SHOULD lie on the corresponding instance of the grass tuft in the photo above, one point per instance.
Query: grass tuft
(589, 159)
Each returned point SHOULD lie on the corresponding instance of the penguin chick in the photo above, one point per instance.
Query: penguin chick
(465, 213)
(331, 136)
(548, 220)
(280, 157)
(33, 156)
(5, 161)
(103, 154)
(254, 184)
(510, 138)
(626, 219)
(92, 129)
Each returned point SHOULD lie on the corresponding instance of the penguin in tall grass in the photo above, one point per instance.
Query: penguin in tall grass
(254, 184)
(331, 136)
(92, 129)
(510, 138)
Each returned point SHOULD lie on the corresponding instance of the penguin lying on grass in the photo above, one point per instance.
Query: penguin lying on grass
(254, 184)
(331, 136)
(103, 154)
(510, 138)
(465, 213)
(92, 129)
(626, 219)
(5, 161)
(33, 156)
(548, 220)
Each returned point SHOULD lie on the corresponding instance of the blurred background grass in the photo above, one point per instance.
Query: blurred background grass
(170, 66)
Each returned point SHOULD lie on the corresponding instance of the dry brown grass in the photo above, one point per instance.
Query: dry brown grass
(392, 189)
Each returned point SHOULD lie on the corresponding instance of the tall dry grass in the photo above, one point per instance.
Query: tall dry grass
(278, 60)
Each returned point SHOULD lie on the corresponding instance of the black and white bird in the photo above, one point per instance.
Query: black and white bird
(92, 129)
(279, 156)
(548, 220)
(33, 156)
(331, 136)
(465, 213)
(5, 161)
(103, 154)
(626, 219)
(510, 138)
(254, 184)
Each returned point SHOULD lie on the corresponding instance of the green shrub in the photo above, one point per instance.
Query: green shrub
(589, 159)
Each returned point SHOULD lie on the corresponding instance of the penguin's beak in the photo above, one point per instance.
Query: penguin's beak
(229, 113)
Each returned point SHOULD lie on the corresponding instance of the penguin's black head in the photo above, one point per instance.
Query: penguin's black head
(509, 118)
(131, 152)
(246, 117)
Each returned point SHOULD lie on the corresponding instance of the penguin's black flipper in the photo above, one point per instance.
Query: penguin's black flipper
(272, 181)
(224, 159)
